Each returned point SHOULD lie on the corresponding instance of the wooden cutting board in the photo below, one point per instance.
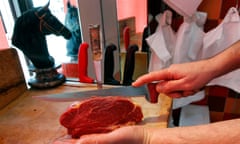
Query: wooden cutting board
(27, 120)
(12, 81)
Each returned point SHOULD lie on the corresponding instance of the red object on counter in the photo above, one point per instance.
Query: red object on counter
(126, 37)
(83, 63)
(69, 69)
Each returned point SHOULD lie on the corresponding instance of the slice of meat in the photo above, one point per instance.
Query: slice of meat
(99, 115)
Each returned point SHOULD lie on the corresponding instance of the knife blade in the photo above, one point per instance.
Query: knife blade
(94, 31)
(125, 91)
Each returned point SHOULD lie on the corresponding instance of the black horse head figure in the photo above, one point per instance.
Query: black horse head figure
(72, 23)
(29, 35)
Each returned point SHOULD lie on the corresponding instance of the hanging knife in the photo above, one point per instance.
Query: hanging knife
(126, 91)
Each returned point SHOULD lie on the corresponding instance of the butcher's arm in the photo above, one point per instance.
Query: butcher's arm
(187, 78)
(226, 61)
(226, 132)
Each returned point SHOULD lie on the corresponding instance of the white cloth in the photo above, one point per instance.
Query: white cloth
(186, 8)
(161, 43)
(220, 38)
(180, 102)
(188, 45)
(189, 40)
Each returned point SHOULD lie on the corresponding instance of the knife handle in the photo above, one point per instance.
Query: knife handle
(83, 64)
(153, 94)
(126, 36)
(129, 65)
(109, 65)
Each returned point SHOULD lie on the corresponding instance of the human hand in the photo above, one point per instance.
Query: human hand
(124, 135)
(179, 80)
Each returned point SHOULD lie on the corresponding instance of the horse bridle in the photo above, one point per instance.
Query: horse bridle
(47, 26)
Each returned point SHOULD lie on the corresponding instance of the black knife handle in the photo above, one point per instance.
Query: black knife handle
(109, 65)
(129, 64)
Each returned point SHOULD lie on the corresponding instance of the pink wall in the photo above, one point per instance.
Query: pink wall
(129, 8)
(3, 38)
(73, 2)
(137, 8)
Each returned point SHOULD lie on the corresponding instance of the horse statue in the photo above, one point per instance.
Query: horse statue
(29, 35)
(72, 23)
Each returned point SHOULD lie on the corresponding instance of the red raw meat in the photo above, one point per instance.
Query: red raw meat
(99, 115)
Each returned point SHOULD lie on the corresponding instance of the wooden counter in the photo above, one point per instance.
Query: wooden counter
(27, 120)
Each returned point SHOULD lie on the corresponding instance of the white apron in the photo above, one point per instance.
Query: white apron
(188, 46)
(161, 43)
(189, 40)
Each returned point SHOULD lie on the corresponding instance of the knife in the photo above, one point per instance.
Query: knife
(94, 31)
(126, 91)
